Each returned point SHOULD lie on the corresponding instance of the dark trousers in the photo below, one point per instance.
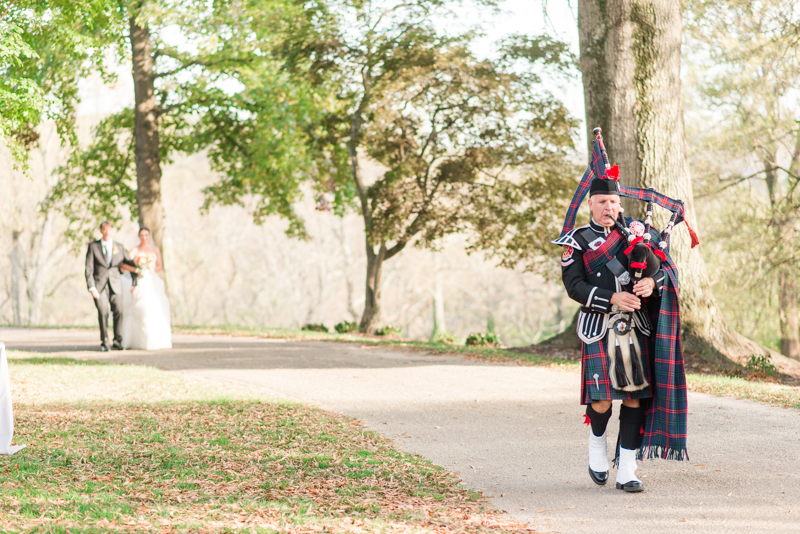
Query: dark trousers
(109, 297)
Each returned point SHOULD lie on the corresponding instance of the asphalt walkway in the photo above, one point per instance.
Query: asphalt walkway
(513, 432)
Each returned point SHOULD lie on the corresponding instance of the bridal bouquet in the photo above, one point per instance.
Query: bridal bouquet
(144, 263)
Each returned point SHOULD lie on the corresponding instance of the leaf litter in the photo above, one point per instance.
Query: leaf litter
(224, 464)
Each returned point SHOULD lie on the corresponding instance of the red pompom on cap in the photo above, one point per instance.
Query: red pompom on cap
(613, 172)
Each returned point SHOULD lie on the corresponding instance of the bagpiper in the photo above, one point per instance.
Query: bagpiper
(620, 272)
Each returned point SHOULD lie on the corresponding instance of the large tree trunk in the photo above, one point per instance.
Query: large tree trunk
(630, 60)
(45, 256)
(568, 339)
(148, 161)
(372, 295)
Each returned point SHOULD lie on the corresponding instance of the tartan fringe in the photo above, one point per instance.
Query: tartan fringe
(654, 452)
(665, 453)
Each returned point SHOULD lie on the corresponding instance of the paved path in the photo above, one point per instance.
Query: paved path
(513, 432)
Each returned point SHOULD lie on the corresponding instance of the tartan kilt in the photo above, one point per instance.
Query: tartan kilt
(595, 360)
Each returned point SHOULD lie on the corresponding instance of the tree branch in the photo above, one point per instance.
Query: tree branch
(387, 12)
(737, 181)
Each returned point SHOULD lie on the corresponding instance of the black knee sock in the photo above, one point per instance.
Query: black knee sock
(599, 420)
(630, 424)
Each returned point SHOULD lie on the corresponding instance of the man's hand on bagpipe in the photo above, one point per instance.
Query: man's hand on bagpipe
(644, 287)
(626, 301)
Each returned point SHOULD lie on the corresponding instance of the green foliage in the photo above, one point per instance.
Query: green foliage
(218, 90)
(46, 47)
(389, 331)
(483, 339)
(315, 327)
(21, 101)
(263, 138)
(346, 327)
(100, 183)
(447, 338)
(468, 144)
(760, 365)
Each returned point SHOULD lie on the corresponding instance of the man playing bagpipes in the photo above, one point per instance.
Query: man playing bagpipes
(620, 271)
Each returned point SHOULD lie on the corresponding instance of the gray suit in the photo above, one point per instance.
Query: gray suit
(105, 276)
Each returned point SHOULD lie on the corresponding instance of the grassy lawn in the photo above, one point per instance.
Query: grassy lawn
(727, 386)
(115, 448)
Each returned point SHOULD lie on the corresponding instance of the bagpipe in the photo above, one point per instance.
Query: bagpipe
(644, 254)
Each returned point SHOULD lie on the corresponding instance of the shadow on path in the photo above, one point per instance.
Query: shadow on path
(225, 352)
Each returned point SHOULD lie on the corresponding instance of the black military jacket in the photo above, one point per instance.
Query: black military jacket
(593, 292)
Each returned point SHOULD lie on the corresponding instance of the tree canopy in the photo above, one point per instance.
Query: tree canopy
(216, 88)
(467, 144)
(46, 47)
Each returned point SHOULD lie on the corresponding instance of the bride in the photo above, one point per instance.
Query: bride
(145, 308)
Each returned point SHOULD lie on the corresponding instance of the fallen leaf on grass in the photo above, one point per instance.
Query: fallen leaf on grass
(227, 465)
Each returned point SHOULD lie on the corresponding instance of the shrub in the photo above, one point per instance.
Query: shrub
(446, 337)
(345, 327)
(483, 339)
(760, 366)
(389, 331)
(311, 327)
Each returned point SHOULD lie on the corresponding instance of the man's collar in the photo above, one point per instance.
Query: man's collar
(599, 228)
(110, 241)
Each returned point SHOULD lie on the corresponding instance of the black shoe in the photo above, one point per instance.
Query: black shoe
(634, 486)
(116, 346)
(103, 348)
(599, 477)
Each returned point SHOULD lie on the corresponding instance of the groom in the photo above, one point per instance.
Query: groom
(103, 260)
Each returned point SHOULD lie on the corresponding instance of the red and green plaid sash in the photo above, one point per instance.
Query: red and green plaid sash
(594, 260)
(665, 426)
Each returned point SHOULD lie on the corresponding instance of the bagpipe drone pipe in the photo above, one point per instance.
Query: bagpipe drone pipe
(645, 256)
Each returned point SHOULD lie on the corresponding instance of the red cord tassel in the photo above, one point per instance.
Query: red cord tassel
(693, 235)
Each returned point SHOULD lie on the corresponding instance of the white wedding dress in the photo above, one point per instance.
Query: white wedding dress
(146, 323)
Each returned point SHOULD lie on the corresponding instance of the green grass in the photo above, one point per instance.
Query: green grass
(115, 448)
(727, 386)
